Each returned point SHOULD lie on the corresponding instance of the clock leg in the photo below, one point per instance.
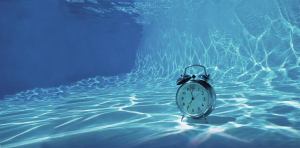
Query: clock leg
(182, 118)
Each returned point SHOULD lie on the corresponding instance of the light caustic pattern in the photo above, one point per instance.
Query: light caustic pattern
(252, 51)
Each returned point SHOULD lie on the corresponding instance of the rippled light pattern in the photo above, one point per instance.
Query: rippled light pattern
(251, 49)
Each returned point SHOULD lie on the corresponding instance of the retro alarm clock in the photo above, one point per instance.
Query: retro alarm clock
(195, 96)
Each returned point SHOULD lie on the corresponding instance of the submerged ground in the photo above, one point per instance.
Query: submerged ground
(251, 50)
(145, 115)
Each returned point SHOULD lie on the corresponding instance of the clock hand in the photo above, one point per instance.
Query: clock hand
(190, 103)
(192, 93)
(191, 100)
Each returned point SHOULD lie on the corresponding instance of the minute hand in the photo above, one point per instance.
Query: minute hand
(190, 101)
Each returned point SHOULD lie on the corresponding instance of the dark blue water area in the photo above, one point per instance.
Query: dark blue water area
(51, 42)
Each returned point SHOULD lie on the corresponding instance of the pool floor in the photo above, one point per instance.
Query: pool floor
(146, 115)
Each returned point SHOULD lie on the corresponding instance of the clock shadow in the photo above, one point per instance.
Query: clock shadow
(215, 120)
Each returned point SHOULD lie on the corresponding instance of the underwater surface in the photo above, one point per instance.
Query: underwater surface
(251, 49)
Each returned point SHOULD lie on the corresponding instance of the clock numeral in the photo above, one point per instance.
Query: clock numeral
(183, 92)
(182, 98)
(192, 87)
(192, 110)
(204, 98)
(202, 104)
(183, 104)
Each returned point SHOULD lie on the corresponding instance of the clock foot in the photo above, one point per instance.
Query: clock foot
(182, 118)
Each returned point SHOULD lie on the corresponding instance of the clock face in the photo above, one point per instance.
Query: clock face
(193, 99)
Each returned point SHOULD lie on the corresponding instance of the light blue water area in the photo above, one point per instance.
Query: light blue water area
(251, 49)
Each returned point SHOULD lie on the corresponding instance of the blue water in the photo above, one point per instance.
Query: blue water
(251, 49)
(51, 42)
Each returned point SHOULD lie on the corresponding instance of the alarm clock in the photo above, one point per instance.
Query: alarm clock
(195, 96)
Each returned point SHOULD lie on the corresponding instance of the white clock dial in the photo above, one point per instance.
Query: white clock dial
(193, 99)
